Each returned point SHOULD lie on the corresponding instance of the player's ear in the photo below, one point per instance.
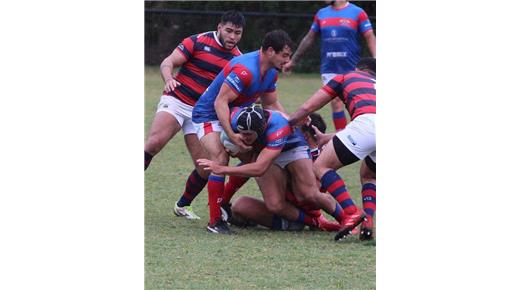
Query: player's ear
(270, 51)
(219, 26)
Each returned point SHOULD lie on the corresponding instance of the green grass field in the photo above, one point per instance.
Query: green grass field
(180, 254)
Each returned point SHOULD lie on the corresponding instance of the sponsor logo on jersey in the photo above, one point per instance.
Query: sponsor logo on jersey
(207, 48)
(234, 80)
(337, 54)
(333, 33)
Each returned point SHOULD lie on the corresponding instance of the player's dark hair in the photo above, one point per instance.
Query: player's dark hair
(277, 39)
(235, 17)
(251, 118)
(317, 121)
(367, 64)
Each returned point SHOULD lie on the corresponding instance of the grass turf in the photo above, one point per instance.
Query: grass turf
(180, 254)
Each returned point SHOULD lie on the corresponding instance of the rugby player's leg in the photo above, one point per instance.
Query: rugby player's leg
(195, 182)
(334, 156)
(215, 152)
(306, 190)
(368, 193)
(339, 118)
(164, 127)
(247, 209)
(236, 182)
(273, 185)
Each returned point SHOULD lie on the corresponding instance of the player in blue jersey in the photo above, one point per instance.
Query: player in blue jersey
(339, 26)
(277, 148)
(243, 80)
(248, 210)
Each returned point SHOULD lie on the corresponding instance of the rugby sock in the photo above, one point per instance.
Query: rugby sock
(194, 185)
(306, 219)
(277, 223)
(232, 186)
(147, 159)
(339, 119)
(215, 190)
(337, 188)
(338, 213)
(368, 192)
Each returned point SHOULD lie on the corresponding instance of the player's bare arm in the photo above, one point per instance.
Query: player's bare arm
(305, 44)
(255, 169)
(270, 102)
(370, 38)
(225, 96)
(314, 103)
(174, 60)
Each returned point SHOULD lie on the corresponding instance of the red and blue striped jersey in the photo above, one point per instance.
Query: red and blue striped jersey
(205, 59)
(242, 75)
(340, 30)
(356, 89)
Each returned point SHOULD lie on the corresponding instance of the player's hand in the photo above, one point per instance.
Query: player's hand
(321, 138)
(305, 121)
(209, 165)
(237, 140)
(171, 84)
(286, 69)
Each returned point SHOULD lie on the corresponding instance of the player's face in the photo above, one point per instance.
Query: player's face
(278, 60)
(229, 34)
(249, 137)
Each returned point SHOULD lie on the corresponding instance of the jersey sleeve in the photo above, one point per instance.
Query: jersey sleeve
(272, 86)
(364, 22)
(187, 46)
(278, 134)
(333, 87)
(239, 78)
(315, 26)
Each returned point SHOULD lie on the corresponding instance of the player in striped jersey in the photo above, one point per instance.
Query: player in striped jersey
(339, 26)
(357, 141)
(199, 59)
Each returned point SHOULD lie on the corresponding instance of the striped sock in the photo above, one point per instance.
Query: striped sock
(337, 188)
(147, 159)
(368, 192)
(232, 186)
(215, 190)
(194, 185)
(306, 219)
(339, 119)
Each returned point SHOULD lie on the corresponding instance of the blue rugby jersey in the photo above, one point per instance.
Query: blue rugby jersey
(242, 75)
(277, 135)
(340, 30)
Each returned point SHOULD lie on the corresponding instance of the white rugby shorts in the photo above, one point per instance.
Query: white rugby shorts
(205, 128)
(325, 78)
(360, 136)
(179, 110)
(300, 152)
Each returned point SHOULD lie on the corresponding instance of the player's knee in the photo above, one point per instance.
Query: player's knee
(275, 207)
(319, 169)
(202, 173)
(155, 143)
